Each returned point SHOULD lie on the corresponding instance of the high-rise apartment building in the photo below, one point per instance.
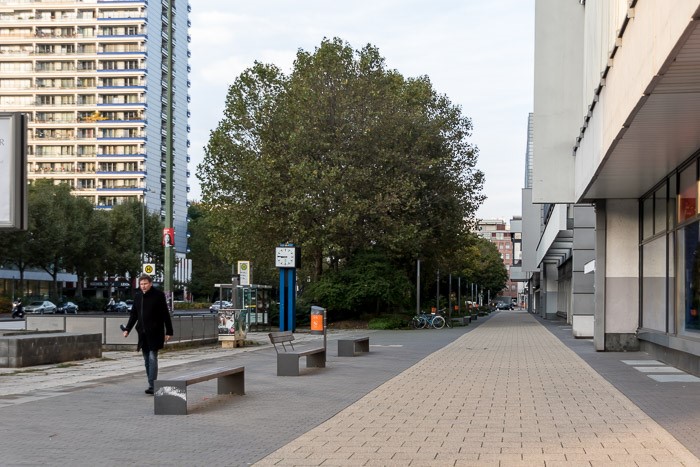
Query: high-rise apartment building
(92, 77)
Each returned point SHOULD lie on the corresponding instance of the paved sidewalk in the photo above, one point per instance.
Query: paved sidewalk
(510, 393)
(510, 389)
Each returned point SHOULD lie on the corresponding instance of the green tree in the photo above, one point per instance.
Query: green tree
(130, 225)
(369, 284)
(207, 269)
(52, 231)
(341, 156)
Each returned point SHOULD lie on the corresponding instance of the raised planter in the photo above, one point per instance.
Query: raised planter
(24, 349)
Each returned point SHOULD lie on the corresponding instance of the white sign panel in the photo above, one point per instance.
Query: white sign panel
(13, 178)
(244, 272)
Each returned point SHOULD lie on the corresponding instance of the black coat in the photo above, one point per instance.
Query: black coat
(152, 319)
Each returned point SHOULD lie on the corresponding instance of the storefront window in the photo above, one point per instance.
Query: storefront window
(654, 285)
(689, 248)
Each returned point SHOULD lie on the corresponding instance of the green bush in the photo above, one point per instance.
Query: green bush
(5, 304)
(387, 322)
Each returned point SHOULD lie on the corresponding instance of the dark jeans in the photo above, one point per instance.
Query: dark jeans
(150, 358)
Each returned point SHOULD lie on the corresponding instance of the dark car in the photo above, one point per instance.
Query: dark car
(67, 308)
(504, 306)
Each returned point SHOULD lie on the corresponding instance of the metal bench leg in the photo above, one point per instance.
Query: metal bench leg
(287, 364)
(170, 398)
(231, 384)
(316, 360)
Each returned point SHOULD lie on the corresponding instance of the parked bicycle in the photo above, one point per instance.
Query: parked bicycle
(428, 320)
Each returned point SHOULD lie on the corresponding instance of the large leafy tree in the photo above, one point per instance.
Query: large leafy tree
(341, 156)
(53, 235)
(207, 269)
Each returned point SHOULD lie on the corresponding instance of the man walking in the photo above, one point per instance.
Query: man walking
(151, 316)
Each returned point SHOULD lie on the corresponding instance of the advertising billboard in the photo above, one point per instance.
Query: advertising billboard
(13, 171)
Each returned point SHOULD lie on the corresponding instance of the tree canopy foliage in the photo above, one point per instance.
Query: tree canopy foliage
(341, 156)
(67, 234)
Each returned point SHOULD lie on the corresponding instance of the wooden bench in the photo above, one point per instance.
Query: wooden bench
(170, 393)
(351, 347)
(288, 359)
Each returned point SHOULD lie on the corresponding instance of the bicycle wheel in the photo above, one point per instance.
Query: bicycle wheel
(416, 323)
(424, 322)
(438, 322)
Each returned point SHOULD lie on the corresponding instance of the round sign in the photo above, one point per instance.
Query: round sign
(148, 269)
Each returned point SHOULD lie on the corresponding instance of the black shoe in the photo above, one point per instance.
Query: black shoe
(122, 327)
(149, 391)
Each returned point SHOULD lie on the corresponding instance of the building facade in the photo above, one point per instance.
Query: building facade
(616, 113)
(498, 232)
(92, 77)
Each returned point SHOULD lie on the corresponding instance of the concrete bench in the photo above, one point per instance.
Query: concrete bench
(461, 320)
(288, 359)
(170, 393)
(350, 347)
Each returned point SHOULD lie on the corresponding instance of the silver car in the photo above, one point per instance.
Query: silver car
(40, 307)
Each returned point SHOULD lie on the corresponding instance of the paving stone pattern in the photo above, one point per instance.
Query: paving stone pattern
(509, 394)
(509, 389)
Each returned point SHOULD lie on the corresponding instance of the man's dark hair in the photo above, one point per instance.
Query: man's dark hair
(145, 277)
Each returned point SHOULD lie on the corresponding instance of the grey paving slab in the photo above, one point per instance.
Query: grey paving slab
(95, 412)
(508, 393)
(675, 378)
(674, 405)
(514, 390)
(657, 369)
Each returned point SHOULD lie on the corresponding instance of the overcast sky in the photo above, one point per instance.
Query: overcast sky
(479, 53)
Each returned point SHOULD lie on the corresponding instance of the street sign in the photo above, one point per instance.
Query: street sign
(149, 268)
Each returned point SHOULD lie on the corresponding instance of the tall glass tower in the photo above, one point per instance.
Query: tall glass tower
(92, 77)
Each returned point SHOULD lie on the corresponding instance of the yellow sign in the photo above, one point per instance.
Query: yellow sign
(149, 268)
(244, 272)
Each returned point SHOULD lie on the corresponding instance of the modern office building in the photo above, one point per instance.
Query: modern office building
(617, 126)
(92, 77)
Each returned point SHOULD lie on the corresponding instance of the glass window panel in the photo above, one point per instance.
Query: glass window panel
(689, 277)
(688, 194)
(660, 203)
(648, 217)
(671, 284)
(654, 285)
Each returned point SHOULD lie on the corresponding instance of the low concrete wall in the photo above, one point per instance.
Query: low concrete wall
(22, 350)
(195, 328)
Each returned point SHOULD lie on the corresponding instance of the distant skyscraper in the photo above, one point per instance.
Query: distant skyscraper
(92, 76)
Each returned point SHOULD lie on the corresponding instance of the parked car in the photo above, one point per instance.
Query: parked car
(40, 307)
(214, 308)
(121, 307)
(67, 308)
(129, 305)
(504, 306)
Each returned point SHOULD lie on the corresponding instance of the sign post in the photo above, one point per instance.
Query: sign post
(288, 259)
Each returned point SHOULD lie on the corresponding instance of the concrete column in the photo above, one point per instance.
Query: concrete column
(549, 290)
(599, 281)
(621, 275)
(582, 285)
